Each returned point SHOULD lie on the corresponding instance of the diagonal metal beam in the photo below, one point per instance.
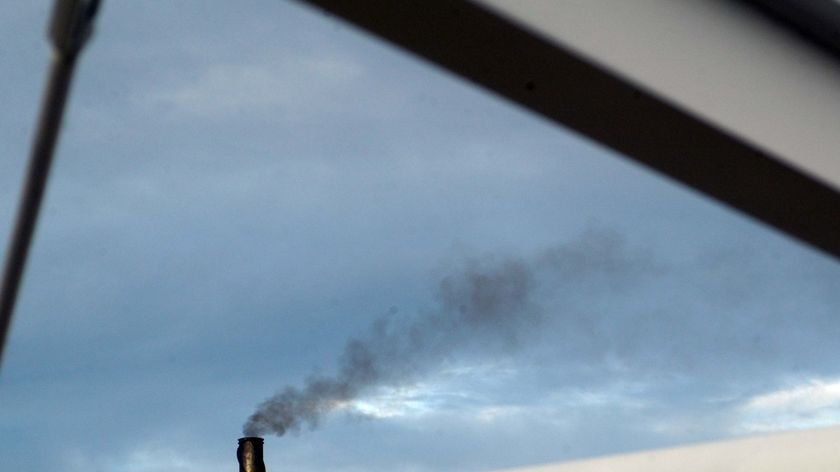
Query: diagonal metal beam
(70, 28)
(501, 56)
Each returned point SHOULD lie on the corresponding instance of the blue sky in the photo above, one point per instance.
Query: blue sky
(239, 191)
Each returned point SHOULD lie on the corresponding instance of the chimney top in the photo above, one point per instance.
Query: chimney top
(249, 454)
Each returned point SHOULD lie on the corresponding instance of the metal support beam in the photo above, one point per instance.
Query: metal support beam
(555, 82)
(70, 27)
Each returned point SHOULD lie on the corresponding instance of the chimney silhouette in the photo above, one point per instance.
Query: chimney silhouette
(250, 454)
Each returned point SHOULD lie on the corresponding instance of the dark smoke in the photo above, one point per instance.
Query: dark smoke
(489, 303)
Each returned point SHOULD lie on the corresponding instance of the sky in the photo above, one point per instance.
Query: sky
(260, 199)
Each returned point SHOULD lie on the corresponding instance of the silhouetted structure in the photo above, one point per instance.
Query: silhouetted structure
(249, 454)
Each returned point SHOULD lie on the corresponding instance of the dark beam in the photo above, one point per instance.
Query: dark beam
(815, 20)
(554, 82)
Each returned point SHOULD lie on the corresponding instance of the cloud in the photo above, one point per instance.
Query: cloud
(811, 404)
(410, 401)
(148, 457)
(294, 87)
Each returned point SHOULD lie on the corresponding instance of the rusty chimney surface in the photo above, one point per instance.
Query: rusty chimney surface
(250, 454)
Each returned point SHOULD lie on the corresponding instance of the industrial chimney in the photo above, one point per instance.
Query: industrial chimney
(250, 454)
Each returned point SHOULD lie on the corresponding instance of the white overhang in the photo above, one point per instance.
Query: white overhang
(814, 450)
(721, 60)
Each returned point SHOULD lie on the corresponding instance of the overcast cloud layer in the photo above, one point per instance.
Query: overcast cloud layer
(240, 192)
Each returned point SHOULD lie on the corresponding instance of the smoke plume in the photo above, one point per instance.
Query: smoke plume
(488, 303)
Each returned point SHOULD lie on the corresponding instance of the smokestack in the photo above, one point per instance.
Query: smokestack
(250, 454)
